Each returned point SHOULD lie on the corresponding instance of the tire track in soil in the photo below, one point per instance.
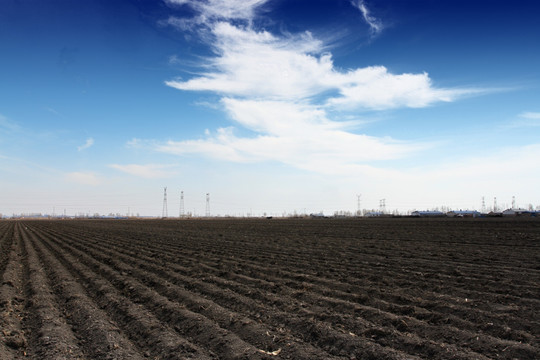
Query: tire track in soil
(96, 334)
(476, 342)
(194, 325)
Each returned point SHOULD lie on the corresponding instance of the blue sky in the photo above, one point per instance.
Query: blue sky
(271, 106)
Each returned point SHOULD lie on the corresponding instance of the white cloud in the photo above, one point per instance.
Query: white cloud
(375, 24)
(303, 138)
(8, 125)
(530, 115)
(135, 143)
(375, 88)
(178, 2)
(260, 65)
(89, 142)
(148, 171)
(174, 60)
(286, 90)
(84, 178)
(53, 111)
(222, 9)
(181, 24)
(524, 120)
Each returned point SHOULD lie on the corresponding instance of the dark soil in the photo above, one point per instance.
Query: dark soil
(270, 289)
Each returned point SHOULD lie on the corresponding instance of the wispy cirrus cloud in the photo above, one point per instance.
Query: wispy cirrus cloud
(525, 119)
(210, 10)
(375, 25)
(7, 125)
(88, 143)
(147, 171)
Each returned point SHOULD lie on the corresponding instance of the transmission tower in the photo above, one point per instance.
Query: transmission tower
(358, 211)
(513, 202)
(181, 204)
(483, 205)
(382, 205)
(207, 204)
(495, 204)
(164, 211)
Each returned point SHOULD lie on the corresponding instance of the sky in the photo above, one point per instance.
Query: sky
(270, 106)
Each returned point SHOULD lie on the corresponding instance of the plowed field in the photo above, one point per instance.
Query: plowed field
(270, 289)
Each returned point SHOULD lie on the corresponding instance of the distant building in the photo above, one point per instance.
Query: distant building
(427, 214)
(520, 212)
(374, 214)
(463, 213)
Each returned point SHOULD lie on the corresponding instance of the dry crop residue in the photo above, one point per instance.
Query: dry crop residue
(270, 289)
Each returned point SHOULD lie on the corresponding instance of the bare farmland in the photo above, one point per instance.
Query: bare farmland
(276, 289)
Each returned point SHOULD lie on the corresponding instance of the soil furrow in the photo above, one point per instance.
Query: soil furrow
(161, 340)
(193, 325)
(97, 334)
(12, 336)
(390, 337)
(6, 240)
(402, 273)
(262, 337)
(434, 311)
(374, 274)
(349, 344)
(50, 337)
(302, 288)
(158, 340)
